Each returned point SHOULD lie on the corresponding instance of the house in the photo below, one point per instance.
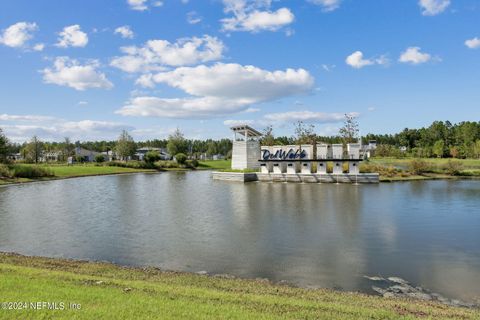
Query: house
(140, 154)
(86, 155)
(48, 156)
(15, 156)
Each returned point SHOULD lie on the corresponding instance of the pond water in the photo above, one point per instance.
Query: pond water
(320, 235)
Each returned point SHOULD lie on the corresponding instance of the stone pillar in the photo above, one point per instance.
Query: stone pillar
(245, 154)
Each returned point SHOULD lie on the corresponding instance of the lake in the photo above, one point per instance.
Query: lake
(315, 235)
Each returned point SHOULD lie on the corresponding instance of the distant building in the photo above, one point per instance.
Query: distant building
(15, 157)
(86, 155)
(164, 155)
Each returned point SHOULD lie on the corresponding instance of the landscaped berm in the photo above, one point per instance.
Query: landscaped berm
(86, 290)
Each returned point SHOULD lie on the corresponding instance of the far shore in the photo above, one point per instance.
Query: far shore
(392, 170)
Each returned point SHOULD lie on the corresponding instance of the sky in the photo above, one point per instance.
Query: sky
(87, 69)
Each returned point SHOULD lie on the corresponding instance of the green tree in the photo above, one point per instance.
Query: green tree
(181, 158)
(151, 157)
(439, 148)
(268, 139)
(99, 158)
(476, 149)
(177, 143)
(33, 150)
(4, 147)
(349, 131)
(125, 146)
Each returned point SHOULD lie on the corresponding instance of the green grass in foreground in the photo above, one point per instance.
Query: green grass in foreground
(106, 291)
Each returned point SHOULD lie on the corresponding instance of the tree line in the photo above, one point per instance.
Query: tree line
(440, 139)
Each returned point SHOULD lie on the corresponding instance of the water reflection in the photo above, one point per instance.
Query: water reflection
(323, 235)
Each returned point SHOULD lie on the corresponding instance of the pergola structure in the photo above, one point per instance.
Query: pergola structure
(245, 131)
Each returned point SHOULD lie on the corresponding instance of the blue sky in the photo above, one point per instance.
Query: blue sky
(88, 69)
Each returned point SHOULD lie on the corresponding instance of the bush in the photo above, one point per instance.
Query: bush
(419, 166)
(5, 171)
(79, 159)
(23, 171)
(99, 158)
(181, 158)
(130, 164)
(165, 164)
(453, 167)
(191, 163)
(151, 157)
(386, 171)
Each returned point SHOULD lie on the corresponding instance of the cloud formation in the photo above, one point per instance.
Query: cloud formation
(308, 116)
(254, 16)
(154, 55)
(473, 43)
(433, 7)
(357, 61)
(125, 32)
(72, 36)
(20, 128)
(69, 72)
(327, 5)
(18, 34)
(218, 90)
(413, 55)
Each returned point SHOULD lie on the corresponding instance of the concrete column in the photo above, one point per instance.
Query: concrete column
(337, 167)
(322, 168)
(292, 167)
(306, 167)
(353, 167)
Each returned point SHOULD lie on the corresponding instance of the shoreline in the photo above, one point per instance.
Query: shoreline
(383, 179)
(79, 279)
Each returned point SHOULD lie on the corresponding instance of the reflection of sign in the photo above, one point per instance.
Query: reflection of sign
(284, 155)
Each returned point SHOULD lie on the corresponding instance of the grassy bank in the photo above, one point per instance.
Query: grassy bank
(395, 169)
(63, 171)
(81, 170)
(106, 291)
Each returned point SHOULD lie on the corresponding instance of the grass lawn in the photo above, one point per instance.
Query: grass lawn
(62, 171)
(215, 164)
(106, 291)
(403, 162)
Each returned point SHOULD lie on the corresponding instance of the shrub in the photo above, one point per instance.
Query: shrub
(79, 159)
(181, 158)
(23, 171)
(130, 164)
(99, 158)
(191, 163)
(165, 164)
(151, 157)
(453, 167)
(5, 171)
(419, 166)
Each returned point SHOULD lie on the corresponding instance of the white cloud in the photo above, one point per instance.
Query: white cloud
(28, 117)
(139, 5)
(357, 61)
(158, 53)
(157, 4)
(18, 34)
(327, 5)
(307, 116)
(255, 16)
(82, 103)
(218, 90)
(473, 43)
(125, 32)
(51, 128)
(193, 17)
(69, 72)
(231, 123)
(433, 7)
(72, 36)
(413, 55)
(39, 47)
